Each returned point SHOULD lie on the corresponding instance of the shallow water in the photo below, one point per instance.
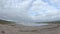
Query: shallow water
(33, 24)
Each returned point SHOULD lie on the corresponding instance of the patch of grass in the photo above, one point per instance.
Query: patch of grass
(6, 22)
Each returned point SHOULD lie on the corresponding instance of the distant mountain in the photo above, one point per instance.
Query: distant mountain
(52, 22)
(6, 22)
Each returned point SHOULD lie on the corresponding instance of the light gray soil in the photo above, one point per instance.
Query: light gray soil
(20, 29)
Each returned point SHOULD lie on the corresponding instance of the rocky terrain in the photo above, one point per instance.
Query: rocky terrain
(7, 27)
(20, 29)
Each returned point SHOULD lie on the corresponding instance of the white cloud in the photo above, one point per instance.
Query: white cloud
(29, 10)
(44, 11)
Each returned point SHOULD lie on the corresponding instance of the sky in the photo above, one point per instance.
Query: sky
(30, 10)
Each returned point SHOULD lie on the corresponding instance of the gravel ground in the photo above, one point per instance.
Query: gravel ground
(20, 29)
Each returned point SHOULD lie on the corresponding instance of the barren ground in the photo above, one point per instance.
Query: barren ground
(20, 29)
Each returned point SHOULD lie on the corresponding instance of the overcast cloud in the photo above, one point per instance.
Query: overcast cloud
(30, 10)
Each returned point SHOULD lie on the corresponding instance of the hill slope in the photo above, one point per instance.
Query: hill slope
(6, 22)
(52, 22)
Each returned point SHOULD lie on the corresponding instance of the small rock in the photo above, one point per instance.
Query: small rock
(3, 31)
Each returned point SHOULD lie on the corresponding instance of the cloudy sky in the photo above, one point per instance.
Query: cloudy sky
(30, 10)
